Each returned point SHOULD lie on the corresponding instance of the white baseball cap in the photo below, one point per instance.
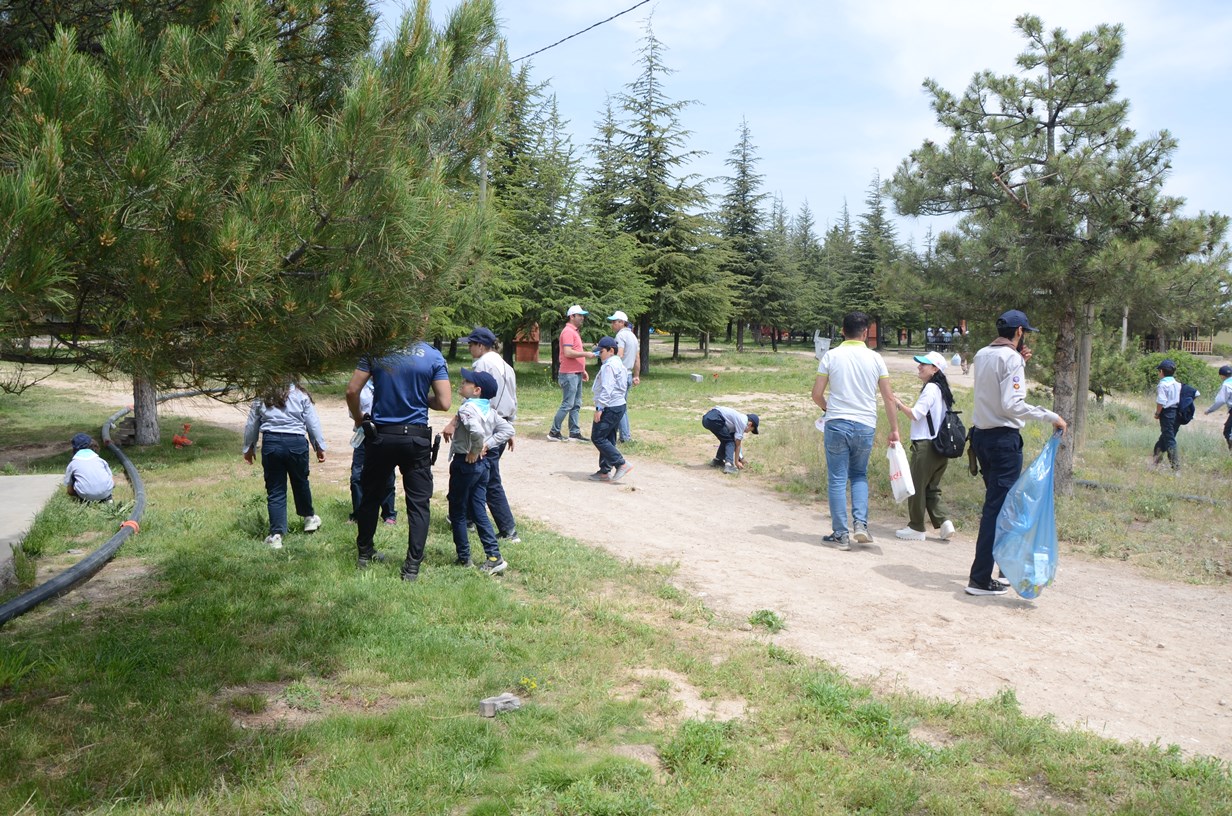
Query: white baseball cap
(621, 316)
(933, 358)
(576, 309)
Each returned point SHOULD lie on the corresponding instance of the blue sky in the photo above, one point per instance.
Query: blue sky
(831, 89)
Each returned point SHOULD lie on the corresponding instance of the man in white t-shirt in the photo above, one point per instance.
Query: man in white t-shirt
(854, 374)
(629, 351)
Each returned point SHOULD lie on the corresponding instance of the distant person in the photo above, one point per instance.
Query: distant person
(1167, 401)
(729, 426)
(571, 376)
(476, 429)
(1001, 412)
(854, 374)
(406, 384)
(1223, 399)
(389, 506)
(927, 465)
(611, 386)
(629, 351)
(482, 345)
(286, 421)
(88, 476)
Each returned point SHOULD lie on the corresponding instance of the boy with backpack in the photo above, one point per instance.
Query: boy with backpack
(1174, 407)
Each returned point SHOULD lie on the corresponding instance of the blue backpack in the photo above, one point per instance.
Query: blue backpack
(1186, 409)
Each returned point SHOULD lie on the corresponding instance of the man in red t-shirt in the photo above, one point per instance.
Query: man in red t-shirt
(572, 374)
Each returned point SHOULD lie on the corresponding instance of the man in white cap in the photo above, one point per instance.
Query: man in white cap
(628, 349)
(571, 376)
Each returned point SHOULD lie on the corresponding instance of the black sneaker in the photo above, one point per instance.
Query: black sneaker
(511, 537)
(717, 462)
(993, 587)
(375, 558)
(410, 571)
(554, 436)
(461, 562)
(577, 437)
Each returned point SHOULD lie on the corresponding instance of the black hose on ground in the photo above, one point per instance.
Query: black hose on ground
(88, 567)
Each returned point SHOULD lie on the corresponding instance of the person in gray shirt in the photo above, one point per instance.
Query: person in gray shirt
(282, 416)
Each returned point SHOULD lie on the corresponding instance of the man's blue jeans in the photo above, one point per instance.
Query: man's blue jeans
(570, 403)
(848, 446)
(283, 457)
(624, 434)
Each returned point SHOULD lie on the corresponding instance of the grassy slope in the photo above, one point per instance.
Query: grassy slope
(358, 693)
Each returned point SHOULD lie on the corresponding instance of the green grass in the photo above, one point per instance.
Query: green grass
(235, 679)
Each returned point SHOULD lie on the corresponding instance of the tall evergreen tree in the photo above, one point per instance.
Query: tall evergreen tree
(661, 208)
(178, 216)
(1051, 183)
(742, 223)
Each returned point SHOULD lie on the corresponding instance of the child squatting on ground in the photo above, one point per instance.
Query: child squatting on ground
(88, 476)
(478, 428)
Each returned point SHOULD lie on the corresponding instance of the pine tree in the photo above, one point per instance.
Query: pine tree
(188, 222)
(742, 225)
(660, 207)
(1050, 182)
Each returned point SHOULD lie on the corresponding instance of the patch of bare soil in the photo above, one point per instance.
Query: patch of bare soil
(682, 700)
(18, 457)
(292, 705)
(1104, 649)
(121, 581)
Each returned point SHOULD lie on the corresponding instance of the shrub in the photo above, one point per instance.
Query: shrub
(1189, 369)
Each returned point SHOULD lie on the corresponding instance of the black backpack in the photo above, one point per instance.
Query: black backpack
(950, 440)
(1186, 409)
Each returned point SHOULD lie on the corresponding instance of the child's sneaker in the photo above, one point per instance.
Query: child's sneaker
(312, 524)
(492, 565)
(274, 541)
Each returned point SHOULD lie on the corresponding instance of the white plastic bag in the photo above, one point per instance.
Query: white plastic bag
(900, 473)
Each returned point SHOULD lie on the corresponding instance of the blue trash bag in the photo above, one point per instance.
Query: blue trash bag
(1025, 546)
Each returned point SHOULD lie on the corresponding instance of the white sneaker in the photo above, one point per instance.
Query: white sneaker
(274, 541)
(860, 534)
(947, 530)
(907, 534)
(312, 524)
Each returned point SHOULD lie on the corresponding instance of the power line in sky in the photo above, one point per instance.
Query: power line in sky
(583, 31)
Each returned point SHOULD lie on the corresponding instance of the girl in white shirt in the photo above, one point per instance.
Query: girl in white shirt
(927, 466)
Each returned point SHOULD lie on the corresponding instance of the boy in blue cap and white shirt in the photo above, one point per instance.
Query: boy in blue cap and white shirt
(1167, 401)
(477, 428)
(88, 476)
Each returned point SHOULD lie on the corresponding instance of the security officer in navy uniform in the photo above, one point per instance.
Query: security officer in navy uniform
(406, 384)
(1001, 411)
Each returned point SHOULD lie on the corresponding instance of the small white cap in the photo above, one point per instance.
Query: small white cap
(621, 316)
(576, 309)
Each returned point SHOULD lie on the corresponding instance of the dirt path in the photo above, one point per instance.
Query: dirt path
(1104, 649)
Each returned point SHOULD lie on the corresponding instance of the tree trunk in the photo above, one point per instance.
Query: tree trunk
(555, 371)
(1084, 375)
(643, 336)
(675, 346)
(729, 331)
(1065, 378)
(453, 349)
(774, 339)
(145, 411)
(706, 345)
(740, 336)
(1124, 329)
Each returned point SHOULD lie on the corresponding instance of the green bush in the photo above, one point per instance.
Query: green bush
(1189, 369)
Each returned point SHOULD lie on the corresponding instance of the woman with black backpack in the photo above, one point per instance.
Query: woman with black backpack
(927, 463)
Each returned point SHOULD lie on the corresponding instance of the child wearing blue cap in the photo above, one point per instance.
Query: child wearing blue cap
(1167, 400)
(477, 428)
(88, 476)
(1223, 399)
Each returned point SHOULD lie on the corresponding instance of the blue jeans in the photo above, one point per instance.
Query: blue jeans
(389, 509)
(713, 421)
(999, 452)
(570, 403)
(468, 498)
(848, 446)
(603, 437)
(498, 502)
(285, 456)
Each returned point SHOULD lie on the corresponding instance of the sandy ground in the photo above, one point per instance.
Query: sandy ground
(1103, 649)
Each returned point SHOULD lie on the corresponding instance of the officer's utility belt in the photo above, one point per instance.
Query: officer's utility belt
(404, 430)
